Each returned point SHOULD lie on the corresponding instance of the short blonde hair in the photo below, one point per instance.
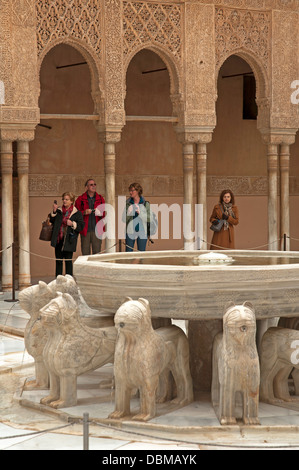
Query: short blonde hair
(71, 195)
(138, 188)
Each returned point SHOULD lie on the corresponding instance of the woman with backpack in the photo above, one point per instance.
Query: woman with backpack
(137, 217)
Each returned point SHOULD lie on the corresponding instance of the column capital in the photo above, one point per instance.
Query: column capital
(109, 134)
(279, 136)
(12, 133)
(194, 135)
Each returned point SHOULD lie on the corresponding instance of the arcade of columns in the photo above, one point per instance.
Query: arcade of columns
(193, 38)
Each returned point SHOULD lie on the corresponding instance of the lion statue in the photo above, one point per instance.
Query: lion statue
(32, 300)
(236, 372)
(72, 348)
(142, 354)
(278, 358)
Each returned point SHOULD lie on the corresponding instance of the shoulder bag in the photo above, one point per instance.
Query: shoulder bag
(46, 231)
(218, 223)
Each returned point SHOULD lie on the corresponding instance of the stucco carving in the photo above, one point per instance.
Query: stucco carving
(242, 29)
(79, 19)
(152, 22)
(53, 185)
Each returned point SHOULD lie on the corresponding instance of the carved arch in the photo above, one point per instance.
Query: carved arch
(172, 67)
(92, 62)
(263, 93)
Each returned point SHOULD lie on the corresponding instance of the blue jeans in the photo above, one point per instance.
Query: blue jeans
(130, 242)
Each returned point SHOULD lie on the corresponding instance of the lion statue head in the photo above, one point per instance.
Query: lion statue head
(59, 311)
(133, 316)
(239, 324)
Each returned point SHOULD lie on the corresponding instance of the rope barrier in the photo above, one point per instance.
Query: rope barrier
(36, 432)
(183, 441)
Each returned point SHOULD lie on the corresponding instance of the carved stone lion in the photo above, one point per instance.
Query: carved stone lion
(32, 300)
(142, 354)
(278, 357)
(72, 348)
(236, 372)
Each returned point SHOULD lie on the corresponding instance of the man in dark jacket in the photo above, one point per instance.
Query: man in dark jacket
(91, 204)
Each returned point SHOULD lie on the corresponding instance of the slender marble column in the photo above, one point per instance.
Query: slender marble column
(272, 197)
(188, 217)
(7, 213)
(201, 158)
(284, 195)
(109, 149)
(24, 237)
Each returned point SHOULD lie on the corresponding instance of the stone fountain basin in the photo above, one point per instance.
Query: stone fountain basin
(179, 287)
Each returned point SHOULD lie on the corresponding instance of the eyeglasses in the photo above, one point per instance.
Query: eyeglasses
(92, 184)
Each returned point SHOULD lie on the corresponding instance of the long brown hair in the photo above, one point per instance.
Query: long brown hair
(225, 191)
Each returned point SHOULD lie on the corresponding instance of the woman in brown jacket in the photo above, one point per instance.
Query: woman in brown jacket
(226, 210)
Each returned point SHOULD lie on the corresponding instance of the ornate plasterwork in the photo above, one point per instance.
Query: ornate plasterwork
(61, 19)
(23, 12)
(243, 30)
(152, 22)
(156, 185)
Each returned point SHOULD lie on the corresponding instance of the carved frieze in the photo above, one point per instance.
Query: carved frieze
(62, 19)
(246, 30)
(152, 22)
(23, 12)
(159, 185)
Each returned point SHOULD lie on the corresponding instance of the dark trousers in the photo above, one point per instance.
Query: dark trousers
(66, 255)
(130, 242)
(90, 241)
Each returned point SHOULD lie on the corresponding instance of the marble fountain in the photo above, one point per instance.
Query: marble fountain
(193, 285)
(196, 286)
(209, 292)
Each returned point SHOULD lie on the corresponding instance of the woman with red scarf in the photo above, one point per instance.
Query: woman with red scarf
(67, 224)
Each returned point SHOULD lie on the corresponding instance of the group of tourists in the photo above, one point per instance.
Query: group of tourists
(82, 216)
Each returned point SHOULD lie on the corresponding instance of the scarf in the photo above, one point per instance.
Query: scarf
(66, 213)
(228, 211)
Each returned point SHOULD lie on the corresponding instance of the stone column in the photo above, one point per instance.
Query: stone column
(24, 235)
(188, 209)
(201, 166)
(284, 195)
(272, 196)
(109, 155)
(7, 213)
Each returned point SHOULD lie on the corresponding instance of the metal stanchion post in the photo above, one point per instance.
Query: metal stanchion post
(85, 431)
(284, 242)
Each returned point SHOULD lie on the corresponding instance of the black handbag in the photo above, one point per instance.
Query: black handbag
(218, 224)
(216, 227)
(46, 231)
